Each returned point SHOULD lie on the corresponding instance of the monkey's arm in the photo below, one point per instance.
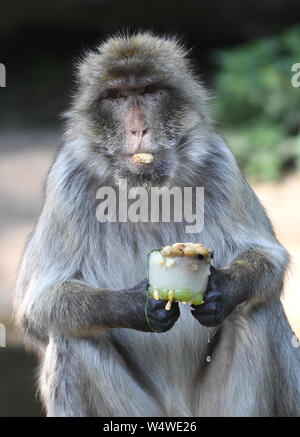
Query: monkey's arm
(253, 277)
(49, 297)
(75, 309)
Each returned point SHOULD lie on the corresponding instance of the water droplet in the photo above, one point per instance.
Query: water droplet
(208, 335)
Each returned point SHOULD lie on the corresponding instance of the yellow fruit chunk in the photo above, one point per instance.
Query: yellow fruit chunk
(143, 158)
(168, 306)
(155, 294)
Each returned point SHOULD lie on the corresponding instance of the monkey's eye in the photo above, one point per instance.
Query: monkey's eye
(114, 94)
(150, 89)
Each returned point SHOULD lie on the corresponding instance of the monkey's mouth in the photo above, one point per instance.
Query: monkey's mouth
(139, 173)
(143, 158)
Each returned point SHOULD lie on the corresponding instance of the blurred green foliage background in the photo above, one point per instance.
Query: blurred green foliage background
(257, 105)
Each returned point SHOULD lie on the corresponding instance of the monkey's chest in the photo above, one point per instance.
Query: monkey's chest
(169, 362)
(121, 261)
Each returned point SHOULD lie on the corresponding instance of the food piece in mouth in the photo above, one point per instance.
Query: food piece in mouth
(179, 273)
(143, 158)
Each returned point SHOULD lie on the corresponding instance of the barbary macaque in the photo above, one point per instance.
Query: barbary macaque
(81, 291)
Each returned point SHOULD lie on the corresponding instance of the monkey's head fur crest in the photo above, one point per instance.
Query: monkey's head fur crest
(138, 94)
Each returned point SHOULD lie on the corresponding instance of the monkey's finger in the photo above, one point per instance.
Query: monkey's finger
(209, 308)
(163, 320)
(213, 295)
(162, 326)
(174, 308)
(156, 305)
(174, 311)
(162, 314)
(208, 320)
(213, 271)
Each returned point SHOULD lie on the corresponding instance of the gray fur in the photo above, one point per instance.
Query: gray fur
(91, 368)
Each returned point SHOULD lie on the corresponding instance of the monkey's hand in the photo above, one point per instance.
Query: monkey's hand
(219, 299)
(160, 320)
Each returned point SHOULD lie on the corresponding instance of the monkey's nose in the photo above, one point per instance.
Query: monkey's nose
(136, 132)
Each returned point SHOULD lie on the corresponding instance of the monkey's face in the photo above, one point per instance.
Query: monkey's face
(137, 119)
(138, 95)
